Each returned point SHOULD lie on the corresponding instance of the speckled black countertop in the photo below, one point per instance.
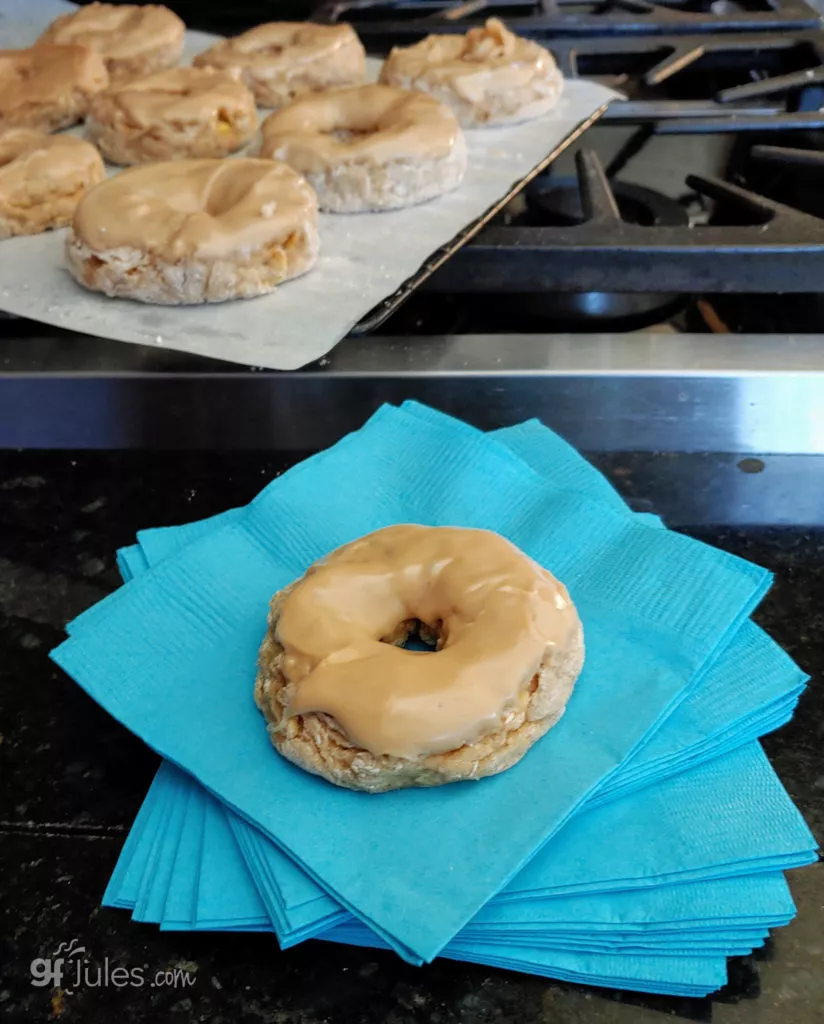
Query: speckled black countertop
(71, 781)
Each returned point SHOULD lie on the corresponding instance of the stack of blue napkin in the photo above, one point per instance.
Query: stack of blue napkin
(637, 845)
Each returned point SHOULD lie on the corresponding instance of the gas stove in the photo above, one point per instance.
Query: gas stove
(658, 288)
(634, 229)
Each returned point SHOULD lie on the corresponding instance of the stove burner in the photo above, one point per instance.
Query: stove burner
(562, 202)
(752, 244)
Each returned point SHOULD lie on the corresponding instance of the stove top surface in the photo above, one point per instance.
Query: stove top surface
(384, 23)
(635, 228)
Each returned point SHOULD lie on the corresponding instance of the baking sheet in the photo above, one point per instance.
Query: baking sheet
(364, 257)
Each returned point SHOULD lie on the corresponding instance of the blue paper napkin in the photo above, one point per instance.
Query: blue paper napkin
(179, 911)
(641, 971)
(752, 689)
(233, 901)
(179, 646)
(753, 670)
(123, 885)
(657, 837)
(748, 933)
(160, 541)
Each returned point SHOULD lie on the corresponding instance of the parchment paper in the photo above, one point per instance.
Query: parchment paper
(364, 257)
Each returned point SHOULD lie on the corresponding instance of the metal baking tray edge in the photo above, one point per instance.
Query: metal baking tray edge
(378, 314)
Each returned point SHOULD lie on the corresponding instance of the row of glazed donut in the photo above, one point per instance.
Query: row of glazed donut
(105, 47)
(362, 147)
(368, 147)
(488, 76)
(51, 84)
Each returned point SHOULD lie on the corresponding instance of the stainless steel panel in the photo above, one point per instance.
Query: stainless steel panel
(624, 392)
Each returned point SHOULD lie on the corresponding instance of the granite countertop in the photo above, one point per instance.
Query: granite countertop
(72, 781)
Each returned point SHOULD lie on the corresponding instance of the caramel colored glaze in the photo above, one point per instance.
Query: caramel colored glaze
(181, 95)
(36, 168)
(500, 614)
(203, 209)
(15, 141)
(117, 31)
(280, 46)
(42, 74)
(486, 60)
(366, 123)
(44, 161)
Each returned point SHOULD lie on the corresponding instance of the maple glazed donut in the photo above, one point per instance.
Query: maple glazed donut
(48, 87)
(342, 698)
(488, 76)
(176, 114)
(194, 231)
(132, 39)
(42, 179)
(369, 147)
(282, 60)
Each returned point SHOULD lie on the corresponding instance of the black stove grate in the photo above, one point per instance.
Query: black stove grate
(382, 24)
(790, 156)
(732, 77)
(741, 121)
(752, 244)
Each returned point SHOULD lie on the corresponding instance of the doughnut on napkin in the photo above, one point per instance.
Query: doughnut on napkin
(172, 655)
(657, 837)
(731, 705)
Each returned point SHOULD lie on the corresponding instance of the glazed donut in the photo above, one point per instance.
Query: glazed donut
(369, 147)
(343, 700)
(42, 179)
(48, 87)
(133, 40)
(194, 231)
(488, 77)
(285, 59)
(172, 115)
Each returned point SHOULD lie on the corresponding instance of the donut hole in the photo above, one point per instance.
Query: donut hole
(416, 635)
(348, 134)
